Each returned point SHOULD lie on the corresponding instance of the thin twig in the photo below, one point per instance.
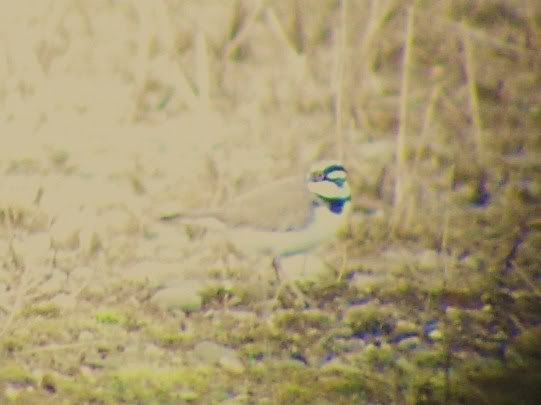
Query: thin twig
(243, 33)
(65, 346)
(427, 121)
(509, 261)
(479, 35)
(474, 97)
(402, 130)
(339, 62)
(202, 69)
(18, 303)
(278, 30)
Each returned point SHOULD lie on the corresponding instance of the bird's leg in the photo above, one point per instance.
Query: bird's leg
(282, 285)
(277, 265)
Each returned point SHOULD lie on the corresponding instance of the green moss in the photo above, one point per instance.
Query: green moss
(409, 343)
(293, 382)
(376, 357)
(344, 380)
(49, 383)
(302, 321)
(496, 13)
(291, 393)
(170, 337)
(326, 289)
(58, 157)
(400, 289)
(516, 379)
(427, 388)
(526, 350)
(370, 318)
(15, 374)
(527, 305)
(255, 351)
(216, 293)
(139, 383)
(405, 327)
(110, 317)
(433, 358)
(11, 344)
(46, 310)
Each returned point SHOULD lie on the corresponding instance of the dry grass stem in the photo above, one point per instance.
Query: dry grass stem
(277, 29)
(339, 62)
(244, 32)
(401, 143)
(202, 70)
(470, 67)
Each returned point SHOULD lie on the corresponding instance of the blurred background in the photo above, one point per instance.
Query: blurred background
(111, 110)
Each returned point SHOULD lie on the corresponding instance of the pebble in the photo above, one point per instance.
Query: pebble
(213, 353)
(184, 296)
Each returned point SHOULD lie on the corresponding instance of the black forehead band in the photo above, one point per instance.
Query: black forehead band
(334, 168)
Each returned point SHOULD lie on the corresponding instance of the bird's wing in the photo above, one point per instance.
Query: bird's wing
(281, 205)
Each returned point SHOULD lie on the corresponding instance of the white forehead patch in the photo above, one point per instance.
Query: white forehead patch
(337, 174)
(328, 189)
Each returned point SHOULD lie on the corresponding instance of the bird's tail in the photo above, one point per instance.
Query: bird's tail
(205, 219)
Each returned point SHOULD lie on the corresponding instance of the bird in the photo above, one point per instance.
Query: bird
(285, 218)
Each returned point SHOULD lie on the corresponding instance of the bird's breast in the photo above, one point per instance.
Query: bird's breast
(323, 226)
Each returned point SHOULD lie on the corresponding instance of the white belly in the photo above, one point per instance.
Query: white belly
(323, 227)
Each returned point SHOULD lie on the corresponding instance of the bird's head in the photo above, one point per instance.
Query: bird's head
(327, 180)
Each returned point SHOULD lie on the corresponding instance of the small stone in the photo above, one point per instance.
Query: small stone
(409, 343)
(240, 399)
(35, 248)
(184, 296)
(64, 302)
(88, 373)
(368, 283)
(429, 260)
(208, 352)
(154, 273)
(90, 241)
(80, 274)
(86, 336)
(64, 233)
(303, 267)
(405, 328)
(188, 395)
(153, 351)
(213, 353)
(12, 392)
(435, 335)
(118, 221)
(55, 283)
(231, 362)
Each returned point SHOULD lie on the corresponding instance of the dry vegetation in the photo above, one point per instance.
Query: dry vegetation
(111, 109)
